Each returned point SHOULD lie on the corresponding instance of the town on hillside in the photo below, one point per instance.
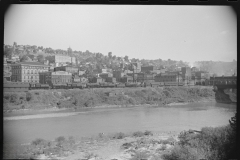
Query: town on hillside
(35, 64)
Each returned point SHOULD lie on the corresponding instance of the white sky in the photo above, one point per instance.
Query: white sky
(187, 33)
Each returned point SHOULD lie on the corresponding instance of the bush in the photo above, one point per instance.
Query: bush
(39, 141)
(212, 143)
(138, 134)
(119, 135)
(13, 98)
(148, 133)
(28, 96)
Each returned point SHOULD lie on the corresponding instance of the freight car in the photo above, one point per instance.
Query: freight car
(92, 85)
(59, 86)
(34, 86)
(173, 83)
(107, 85)
(120, 85)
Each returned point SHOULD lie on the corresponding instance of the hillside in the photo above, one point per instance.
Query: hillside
(76, 98)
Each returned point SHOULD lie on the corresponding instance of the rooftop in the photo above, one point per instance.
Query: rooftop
(30, 63)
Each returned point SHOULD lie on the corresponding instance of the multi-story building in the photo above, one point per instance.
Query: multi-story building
(186, 74)
(105, 75)
(27, 71)
(201, 76)
(136, 67)
(64, 59)
(118, 75)
(111, 79)
(58, 77)
(106, 70)
(70, 69)
(145, 77)
(125, 79)
(164, 77)
(148, 68)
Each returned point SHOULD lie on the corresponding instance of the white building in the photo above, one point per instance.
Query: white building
(64, 59)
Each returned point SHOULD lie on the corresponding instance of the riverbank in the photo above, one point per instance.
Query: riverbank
(63, 112)
(120, 146)
(108, 97)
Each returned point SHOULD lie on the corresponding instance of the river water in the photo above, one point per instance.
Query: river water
(111, 120)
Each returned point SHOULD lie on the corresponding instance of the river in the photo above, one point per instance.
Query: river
(110, 120)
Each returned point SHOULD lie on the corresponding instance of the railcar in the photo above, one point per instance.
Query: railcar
(120, 85)
(59, 86)
(107, 85)
(92, 85)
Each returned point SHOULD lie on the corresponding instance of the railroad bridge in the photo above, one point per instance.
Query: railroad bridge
(228, 82)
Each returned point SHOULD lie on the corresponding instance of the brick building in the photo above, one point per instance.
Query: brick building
(27, 71)
(58, 77)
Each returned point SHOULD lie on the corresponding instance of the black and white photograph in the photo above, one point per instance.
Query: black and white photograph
(120, 82)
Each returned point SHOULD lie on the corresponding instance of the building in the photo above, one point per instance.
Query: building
(76, 79)
(106, 70)
(118, 75)
(194, 69)
(168, 78)
(200, 77)
(58, 77)
(27, 71)
(125, 79)
(145, 77)
(111, 79)
(7, 76)
(148, 68)
(136, 67)
(70, 69)
(96, 80)
(64, 59)
(186, 74)
(80, 73)
(105, 75)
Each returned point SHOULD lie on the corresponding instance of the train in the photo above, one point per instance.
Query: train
(23, 86)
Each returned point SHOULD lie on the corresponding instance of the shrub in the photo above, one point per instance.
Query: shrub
(119, 135)
(28, 96)
(138, 134)
(212, 143)
(60, 139)
(14, 98)
(126, 145)
(148, 133)
(39, 141)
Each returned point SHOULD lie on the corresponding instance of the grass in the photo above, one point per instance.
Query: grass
(78, 98)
